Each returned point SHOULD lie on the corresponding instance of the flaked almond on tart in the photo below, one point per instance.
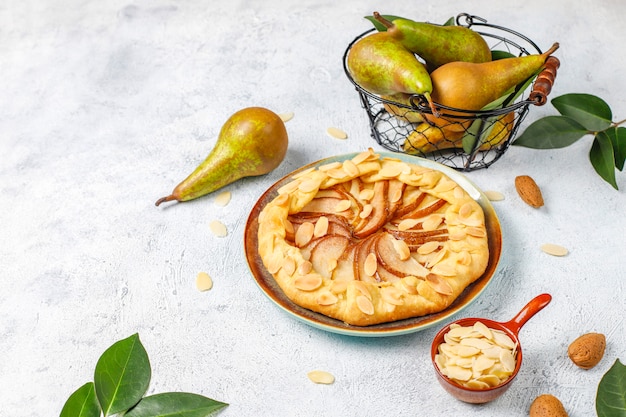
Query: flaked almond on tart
(371, 240)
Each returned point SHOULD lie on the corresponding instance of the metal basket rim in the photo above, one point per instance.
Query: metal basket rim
(421, 105)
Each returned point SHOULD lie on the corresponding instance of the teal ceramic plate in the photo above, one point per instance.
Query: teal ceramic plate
(271, 289)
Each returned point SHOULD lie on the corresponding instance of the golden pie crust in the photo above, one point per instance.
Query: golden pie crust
(372, 240)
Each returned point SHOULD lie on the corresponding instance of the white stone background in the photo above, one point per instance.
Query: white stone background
(106, 105)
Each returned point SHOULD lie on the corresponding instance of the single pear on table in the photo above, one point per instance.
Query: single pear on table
(437, 44)
(382, 65)
(252, 142)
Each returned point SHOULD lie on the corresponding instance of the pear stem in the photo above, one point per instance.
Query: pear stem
(550, 51)
(382, 20)
(164, 199)
(433, 109)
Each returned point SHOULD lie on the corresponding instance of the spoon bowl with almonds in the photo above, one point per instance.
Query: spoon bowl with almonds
(477, 359)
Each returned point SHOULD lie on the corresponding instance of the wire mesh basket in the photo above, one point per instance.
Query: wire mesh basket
(461, 139)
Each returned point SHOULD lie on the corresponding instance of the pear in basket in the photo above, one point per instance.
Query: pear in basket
(471, 86)
(427, 138)
(438, 44)
(399, 105)
(382, 65)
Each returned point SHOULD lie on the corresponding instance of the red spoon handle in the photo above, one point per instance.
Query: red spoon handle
(533, 307)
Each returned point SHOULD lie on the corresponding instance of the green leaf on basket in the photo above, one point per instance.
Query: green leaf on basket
(503, 101)
(180, 404)
(450, 22)
(496, 54)
(551, 132)
(588, 110)
(122, 375)
(611, 395)
(618, 139)
(379, 26)
(602, 158)
(82, 403)
(469, 140)
(520, 89)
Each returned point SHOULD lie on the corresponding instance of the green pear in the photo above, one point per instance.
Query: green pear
(252, 142)
(382, 65)
(437, 44)
(400, 106)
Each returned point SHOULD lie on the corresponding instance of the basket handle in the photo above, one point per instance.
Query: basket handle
(545, 80)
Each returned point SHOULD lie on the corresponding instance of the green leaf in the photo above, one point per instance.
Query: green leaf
(469, 140)
(588, 110)
(82, 403)
(611, 395)
(551, 132)
(511, 95)
(122, 375)
(179, 404)
(450, 22)
(602, 158)
(379, 26)
(618, 139)
(496, 54)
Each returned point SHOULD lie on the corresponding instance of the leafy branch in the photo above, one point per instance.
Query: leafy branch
(581, 115)
(121, 380)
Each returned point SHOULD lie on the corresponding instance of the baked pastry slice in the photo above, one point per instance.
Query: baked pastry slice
(372, 240)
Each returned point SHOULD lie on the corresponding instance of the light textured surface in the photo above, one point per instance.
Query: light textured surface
(106, 105)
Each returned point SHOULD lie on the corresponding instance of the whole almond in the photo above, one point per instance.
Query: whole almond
(547, 405)
(529, 191)
(587, 351)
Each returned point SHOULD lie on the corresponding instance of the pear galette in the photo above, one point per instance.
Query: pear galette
(371, 240)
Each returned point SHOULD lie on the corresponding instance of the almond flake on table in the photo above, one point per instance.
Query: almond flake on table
(554, 250)
(337, 133)
(218, 228)
(321, 377)
(204, 281)
(285, 117)
(494, 195)
(223, 199)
